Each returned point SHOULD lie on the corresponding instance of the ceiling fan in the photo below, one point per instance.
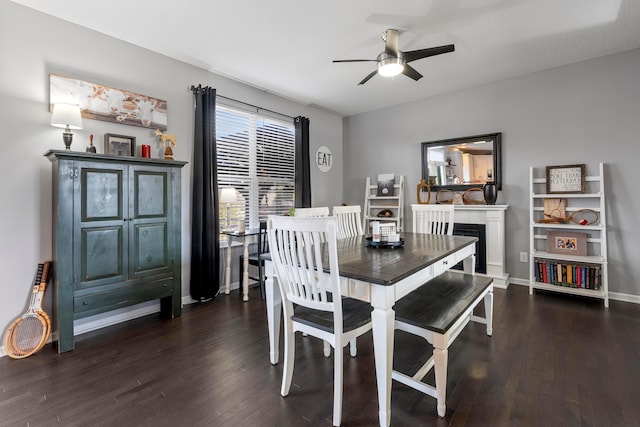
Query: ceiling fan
(392, 61)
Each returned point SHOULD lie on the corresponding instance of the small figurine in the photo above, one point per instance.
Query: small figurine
(91, 148)
(168, 141)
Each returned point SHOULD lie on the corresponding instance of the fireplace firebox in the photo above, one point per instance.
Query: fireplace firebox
(479, 231)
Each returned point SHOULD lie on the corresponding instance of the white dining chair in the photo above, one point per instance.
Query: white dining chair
(310, 290)
(319, 212)
(349, 220)
(311, 212)
(433, 219)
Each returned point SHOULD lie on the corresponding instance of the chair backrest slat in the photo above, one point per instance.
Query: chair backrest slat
(349, 221)
(433, 219)
(263, 244)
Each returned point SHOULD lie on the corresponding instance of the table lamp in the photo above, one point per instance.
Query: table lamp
(66, 116)
(228, 196)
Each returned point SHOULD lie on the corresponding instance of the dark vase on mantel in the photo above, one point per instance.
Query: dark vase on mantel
(490, 193)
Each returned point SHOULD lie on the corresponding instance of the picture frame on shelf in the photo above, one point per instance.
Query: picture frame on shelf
(119, 145)
(567, 243)
(565, 179)
(386, 183)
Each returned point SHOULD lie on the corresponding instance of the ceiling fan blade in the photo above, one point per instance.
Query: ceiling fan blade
(366, 79)
(355, 60)
(409, 71)
(425, 53)
(391, 42)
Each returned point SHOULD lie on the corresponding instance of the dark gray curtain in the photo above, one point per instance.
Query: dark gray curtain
(205, 250)
(303, 170)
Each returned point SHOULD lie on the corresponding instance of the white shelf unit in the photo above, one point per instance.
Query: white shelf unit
(373, 204)
(593, 198)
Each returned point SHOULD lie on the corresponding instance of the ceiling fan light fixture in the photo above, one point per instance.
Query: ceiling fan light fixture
(390, 67)
(392, 61)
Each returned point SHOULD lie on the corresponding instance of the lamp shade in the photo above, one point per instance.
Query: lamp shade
(66, 116)
(228, 195)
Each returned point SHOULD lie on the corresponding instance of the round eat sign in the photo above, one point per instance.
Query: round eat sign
(324, 159)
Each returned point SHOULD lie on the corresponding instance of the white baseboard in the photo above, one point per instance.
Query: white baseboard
(616, 296)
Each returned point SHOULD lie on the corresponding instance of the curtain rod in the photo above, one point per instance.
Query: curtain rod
(194, 89)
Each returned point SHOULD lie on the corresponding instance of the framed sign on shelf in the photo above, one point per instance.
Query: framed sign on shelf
(119, 145)
(565, 179)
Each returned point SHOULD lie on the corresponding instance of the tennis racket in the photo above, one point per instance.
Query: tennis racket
(29, 332)
(581, 217)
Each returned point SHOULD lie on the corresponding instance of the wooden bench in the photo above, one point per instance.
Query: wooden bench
(437, 312)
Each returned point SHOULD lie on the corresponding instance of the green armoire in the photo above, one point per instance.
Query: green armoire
(116, 236)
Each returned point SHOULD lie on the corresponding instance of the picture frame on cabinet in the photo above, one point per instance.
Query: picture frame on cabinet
(567, 243)
(119, 145)
(565, 179)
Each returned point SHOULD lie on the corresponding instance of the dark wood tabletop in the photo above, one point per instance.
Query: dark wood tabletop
(386, 266)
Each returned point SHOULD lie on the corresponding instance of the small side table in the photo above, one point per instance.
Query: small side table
(231, 234)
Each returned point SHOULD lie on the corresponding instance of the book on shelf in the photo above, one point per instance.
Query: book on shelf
(584, 276)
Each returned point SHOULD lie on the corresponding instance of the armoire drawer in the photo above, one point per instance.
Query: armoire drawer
(88, 305)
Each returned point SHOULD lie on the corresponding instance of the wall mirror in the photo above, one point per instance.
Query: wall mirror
(461, 163)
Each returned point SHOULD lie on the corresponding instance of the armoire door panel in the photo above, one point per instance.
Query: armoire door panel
(150, 194)
(102, 195)
(102, 255)
(150, 248)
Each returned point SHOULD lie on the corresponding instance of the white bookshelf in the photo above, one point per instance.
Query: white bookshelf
(540, 260)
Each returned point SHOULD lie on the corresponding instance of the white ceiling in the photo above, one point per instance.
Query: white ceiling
(286, 47)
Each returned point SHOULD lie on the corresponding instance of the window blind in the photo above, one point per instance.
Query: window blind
(256, 156)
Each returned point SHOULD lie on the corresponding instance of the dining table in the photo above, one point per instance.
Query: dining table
(381, 275)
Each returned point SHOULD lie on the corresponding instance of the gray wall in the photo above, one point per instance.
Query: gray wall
(587, 112)
(32, 45)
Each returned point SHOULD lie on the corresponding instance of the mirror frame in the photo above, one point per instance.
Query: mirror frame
(497, 159)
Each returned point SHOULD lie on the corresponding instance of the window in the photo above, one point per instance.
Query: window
(256, 156)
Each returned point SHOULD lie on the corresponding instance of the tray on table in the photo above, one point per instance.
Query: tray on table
(389, 245)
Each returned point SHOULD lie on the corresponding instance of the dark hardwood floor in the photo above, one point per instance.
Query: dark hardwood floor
(553, 360)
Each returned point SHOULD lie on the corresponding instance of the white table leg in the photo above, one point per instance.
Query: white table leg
(274, 312)
(383, 319)
(227, 279)
(488, 311)
(469, 264)
(245, 275)
(440, 356)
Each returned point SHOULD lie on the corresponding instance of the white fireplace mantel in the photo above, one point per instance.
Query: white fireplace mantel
(493, 217)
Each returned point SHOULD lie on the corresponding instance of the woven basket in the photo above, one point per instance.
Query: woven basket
(473, 196)
(444, 197)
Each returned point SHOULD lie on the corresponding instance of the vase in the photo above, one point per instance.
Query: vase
(423, 186)
(490, 193)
